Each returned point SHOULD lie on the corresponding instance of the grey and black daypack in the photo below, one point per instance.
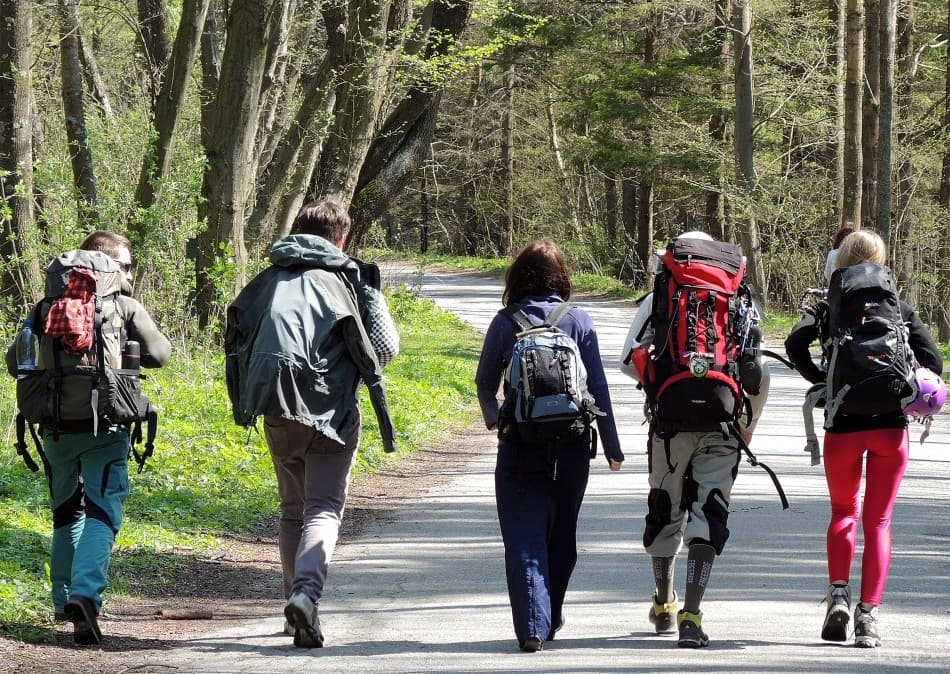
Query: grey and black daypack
(546, 382)
(867, 350)
(79, 384)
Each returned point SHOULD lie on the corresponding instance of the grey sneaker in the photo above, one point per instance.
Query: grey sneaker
(838, 613)
(865, 627)
(663, 616)
(301, 614)
(691, 630)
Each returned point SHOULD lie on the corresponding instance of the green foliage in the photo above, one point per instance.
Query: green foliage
(210, 478)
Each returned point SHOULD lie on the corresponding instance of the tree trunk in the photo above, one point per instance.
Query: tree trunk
(838, 11)
(21, 271)
(229, 172)
(469, 216)
(853, 89)
(424, 215)
(628, 216)
(888, 46)
(714, 212)
(90, 69)
(84, 178)
(508, 161)
(751, 245)
(403, 141)
(169, 106)
(210, 70)
(570, 198)
(359, 96)
(611, 210)
(943, 319)
(871, 110)
(153, 36)
(905, 238)
(645, 225)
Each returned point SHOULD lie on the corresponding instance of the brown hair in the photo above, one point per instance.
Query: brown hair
(840, 235)
(539, 269)
(107, 242)
(324, 218)
(861, 246)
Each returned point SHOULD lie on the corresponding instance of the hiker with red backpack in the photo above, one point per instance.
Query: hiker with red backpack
(694, 348)
(72, 382)
(544, 352)
(880, 363)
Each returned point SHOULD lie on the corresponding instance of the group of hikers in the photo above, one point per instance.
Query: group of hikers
(307, 331)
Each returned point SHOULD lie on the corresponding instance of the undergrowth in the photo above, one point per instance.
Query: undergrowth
(209, 477)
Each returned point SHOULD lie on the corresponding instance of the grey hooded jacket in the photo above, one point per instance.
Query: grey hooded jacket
(296, 342)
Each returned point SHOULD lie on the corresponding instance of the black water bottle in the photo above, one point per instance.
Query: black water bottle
(750, 370)
(131, 355)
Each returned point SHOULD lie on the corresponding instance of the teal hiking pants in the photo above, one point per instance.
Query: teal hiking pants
(89, 481)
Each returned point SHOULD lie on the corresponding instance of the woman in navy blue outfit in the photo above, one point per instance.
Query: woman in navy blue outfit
(539, 502)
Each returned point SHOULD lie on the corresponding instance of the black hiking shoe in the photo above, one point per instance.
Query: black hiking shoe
(691, 630)
(663, 616)
(865, 627)
(301, 614)
(531, 645)
(838, 614)
(81, 612)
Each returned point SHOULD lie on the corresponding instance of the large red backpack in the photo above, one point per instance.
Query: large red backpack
(702, 314)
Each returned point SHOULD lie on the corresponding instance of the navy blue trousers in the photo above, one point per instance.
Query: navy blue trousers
(538, 508)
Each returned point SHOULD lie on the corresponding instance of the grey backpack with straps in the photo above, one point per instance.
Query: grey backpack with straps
(546, 381)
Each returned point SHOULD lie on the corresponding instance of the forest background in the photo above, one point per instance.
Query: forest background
(457, 127)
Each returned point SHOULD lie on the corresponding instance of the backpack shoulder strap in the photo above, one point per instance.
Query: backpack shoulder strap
(519, 317)
(558, 313)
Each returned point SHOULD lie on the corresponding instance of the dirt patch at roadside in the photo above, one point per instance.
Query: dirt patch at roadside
(238, 581)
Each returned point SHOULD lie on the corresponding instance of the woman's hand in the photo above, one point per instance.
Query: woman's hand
(615, 465)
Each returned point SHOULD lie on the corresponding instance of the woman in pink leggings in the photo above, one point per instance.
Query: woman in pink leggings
(861, 425)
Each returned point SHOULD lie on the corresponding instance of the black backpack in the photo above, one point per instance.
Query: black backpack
(867, 350)
(73, 392)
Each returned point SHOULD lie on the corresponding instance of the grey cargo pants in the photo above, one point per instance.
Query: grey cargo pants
(313, 477)
(698, 488)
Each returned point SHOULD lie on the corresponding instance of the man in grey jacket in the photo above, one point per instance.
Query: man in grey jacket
(300, 337)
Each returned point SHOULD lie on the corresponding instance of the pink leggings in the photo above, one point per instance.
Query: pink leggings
(887, 457)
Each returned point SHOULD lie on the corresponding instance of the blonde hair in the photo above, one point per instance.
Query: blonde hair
(861, 246)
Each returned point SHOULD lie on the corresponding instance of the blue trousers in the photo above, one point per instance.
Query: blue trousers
(537, 509)
(89, 481)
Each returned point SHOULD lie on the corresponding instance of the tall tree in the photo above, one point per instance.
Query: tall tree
(715, 199)
(170, 103)
(943, 315)
(744, 141)
(888, 47)
(16, 152)
(84, 177)
(853, 88)
(229, 172)
(507, 165)
(903, 223)
(154, 41)
(871, 109)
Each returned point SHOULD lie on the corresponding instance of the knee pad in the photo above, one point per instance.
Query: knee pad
(659, 511)
(70, 511)
(95, 512)
(717, 515)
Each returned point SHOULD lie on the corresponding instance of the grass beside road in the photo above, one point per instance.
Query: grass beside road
(209, 477)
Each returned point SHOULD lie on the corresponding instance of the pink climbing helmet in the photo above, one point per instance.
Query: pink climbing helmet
(931, 394)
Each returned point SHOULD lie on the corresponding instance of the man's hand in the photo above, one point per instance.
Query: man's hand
(615, 465)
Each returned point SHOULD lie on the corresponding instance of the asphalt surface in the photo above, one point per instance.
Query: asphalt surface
(425, 591)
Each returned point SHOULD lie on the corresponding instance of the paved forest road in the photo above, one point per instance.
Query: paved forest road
(426, 591)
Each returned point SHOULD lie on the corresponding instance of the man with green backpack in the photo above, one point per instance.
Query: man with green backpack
(72, 383)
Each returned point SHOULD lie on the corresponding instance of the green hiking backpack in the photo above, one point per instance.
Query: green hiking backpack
(80, 391)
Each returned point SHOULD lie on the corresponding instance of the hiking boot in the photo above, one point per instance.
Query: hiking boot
(663, 616)
(531, 645)
(81, 612)
(288, 628)
(838, 613)
(691, 630)
(301, 614)
(865, 627)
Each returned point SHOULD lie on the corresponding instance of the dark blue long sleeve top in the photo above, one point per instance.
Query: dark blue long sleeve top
(496, 353)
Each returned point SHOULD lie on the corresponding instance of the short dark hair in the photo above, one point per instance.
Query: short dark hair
(107, 242)
(539, 269)
(842, 232)
(326, 218)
